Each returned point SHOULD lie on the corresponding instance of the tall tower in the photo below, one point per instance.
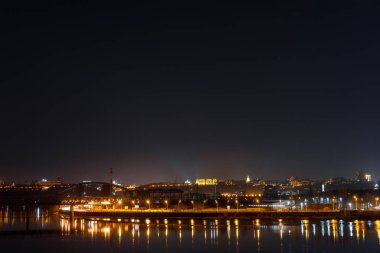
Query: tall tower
(111, 181)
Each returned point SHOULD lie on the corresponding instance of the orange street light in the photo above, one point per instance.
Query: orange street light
(148, 202)
(356, 202)
(306, 204)
(179, 202)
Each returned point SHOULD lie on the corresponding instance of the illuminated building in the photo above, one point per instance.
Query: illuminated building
(46, 184)
(206, 181)
(362, 176)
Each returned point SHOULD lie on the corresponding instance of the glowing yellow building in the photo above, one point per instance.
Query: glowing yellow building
(206, 181)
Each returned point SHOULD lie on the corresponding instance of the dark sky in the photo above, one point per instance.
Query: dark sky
(164, 92)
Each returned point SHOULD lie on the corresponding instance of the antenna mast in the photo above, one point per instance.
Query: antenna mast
(111, 181)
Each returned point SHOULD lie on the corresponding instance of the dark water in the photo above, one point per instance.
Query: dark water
(49, 233)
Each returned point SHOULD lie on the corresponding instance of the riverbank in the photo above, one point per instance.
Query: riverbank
(222, 214)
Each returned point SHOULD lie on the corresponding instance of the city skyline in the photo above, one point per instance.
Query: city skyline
(157, 126)
(360, 175)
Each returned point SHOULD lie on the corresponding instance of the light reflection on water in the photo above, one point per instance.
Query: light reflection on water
(186, 235)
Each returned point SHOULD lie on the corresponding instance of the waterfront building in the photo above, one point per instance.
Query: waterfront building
(206, 181)
(46, 184)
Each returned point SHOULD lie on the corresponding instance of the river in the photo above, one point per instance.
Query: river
(48, 232)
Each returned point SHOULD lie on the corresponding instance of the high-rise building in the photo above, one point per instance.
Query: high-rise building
(368, 177)
(362, 176)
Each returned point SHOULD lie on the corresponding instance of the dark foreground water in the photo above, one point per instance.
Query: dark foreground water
(47, 232)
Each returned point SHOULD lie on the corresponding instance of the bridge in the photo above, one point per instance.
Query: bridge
(81, 193)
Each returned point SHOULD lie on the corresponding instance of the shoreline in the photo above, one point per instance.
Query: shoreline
(224, 214)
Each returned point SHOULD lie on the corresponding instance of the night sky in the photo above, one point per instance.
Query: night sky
(164, 92)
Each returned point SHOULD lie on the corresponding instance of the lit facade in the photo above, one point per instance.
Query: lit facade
(206, 181)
